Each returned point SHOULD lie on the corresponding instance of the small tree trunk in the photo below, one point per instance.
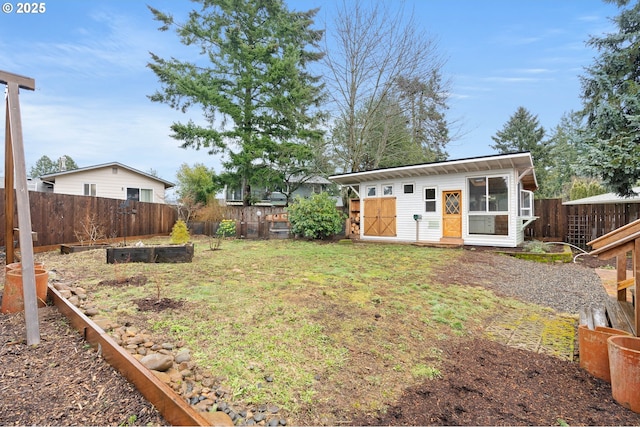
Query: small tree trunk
(246, 201)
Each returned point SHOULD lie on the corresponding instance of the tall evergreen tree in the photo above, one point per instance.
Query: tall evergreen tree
(44, 165)
(253, 76)
(563, 158)
(523, 132)
(610, 144)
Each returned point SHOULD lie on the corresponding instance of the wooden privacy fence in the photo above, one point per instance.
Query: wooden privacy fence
(579, 224)
(62, 218)
(252, 222)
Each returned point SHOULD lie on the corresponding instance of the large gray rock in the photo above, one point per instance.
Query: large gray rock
(157, 362)
(183, 356)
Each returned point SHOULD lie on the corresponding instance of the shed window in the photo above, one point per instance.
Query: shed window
(387, 190)
(489, 194)
(526, 203)
(430, 199)
(408, 188)
(489, 205)
(371, 191)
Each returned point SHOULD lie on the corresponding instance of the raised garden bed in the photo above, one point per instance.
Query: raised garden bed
(70, 249)
(561, 253)
(151, 254)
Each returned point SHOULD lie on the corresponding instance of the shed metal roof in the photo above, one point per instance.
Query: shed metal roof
(522, 162)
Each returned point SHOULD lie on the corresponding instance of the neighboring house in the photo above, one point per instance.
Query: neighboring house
(33, 184)
(274, 196)
(485, 201)
(112, 180)
(592, 217)
(606, 199)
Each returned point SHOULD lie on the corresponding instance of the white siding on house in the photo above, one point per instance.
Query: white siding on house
(108, 184)
(430, 226)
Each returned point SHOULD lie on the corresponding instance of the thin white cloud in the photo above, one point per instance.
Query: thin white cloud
(535, 70)
(496, 79)
(455, 96)
(94, 133)
(589, 18)
(111, 44)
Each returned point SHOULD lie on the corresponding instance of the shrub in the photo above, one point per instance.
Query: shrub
(180, 233)
(315, 217)
(536, 247)
(212, 211)
(227, 228)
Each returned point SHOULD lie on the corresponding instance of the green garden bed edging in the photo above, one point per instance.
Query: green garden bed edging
(565, 256)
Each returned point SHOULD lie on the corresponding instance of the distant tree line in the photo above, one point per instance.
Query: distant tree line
(283, 100)
(44, 166)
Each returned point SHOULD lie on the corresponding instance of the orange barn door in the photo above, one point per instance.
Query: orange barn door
(380, 216)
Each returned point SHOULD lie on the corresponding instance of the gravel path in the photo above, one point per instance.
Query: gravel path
(563, 287)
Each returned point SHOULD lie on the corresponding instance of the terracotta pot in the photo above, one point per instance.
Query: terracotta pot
(13, 296)
(594, 353)
(18, 266)
(624, 362)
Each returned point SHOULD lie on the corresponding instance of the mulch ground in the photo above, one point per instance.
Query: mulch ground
(487, 383)
(61, 381)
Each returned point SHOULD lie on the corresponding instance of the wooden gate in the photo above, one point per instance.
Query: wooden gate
(380, 216)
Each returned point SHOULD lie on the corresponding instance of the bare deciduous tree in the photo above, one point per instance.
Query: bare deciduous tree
(91, 230)
(371, 49)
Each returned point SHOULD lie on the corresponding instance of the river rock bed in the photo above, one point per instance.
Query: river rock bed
(171, 362)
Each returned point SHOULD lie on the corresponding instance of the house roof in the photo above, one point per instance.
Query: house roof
(607, 198)
(522, 162)
(315, 179)
(52, 176)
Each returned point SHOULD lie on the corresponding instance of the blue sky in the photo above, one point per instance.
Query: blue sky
(89, 58)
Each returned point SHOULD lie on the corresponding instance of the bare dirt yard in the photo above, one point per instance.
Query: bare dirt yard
(480, 381)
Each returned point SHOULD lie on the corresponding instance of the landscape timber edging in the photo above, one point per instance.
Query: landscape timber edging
(71, 249)
(151, 254)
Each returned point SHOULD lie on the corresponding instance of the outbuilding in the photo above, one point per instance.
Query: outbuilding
(483, 201)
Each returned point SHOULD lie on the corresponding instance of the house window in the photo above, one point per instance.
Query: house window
(146, 195)
(408, 188)
(387, 190)
(489, 205)
(90, 190)
(371, 191)
(430, 199)
(133, 194)
(114, 170)
(526, 203)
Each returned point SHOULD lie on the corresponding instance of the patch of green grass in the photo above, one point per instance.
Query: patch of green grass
(422, 371)
(318, 318)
